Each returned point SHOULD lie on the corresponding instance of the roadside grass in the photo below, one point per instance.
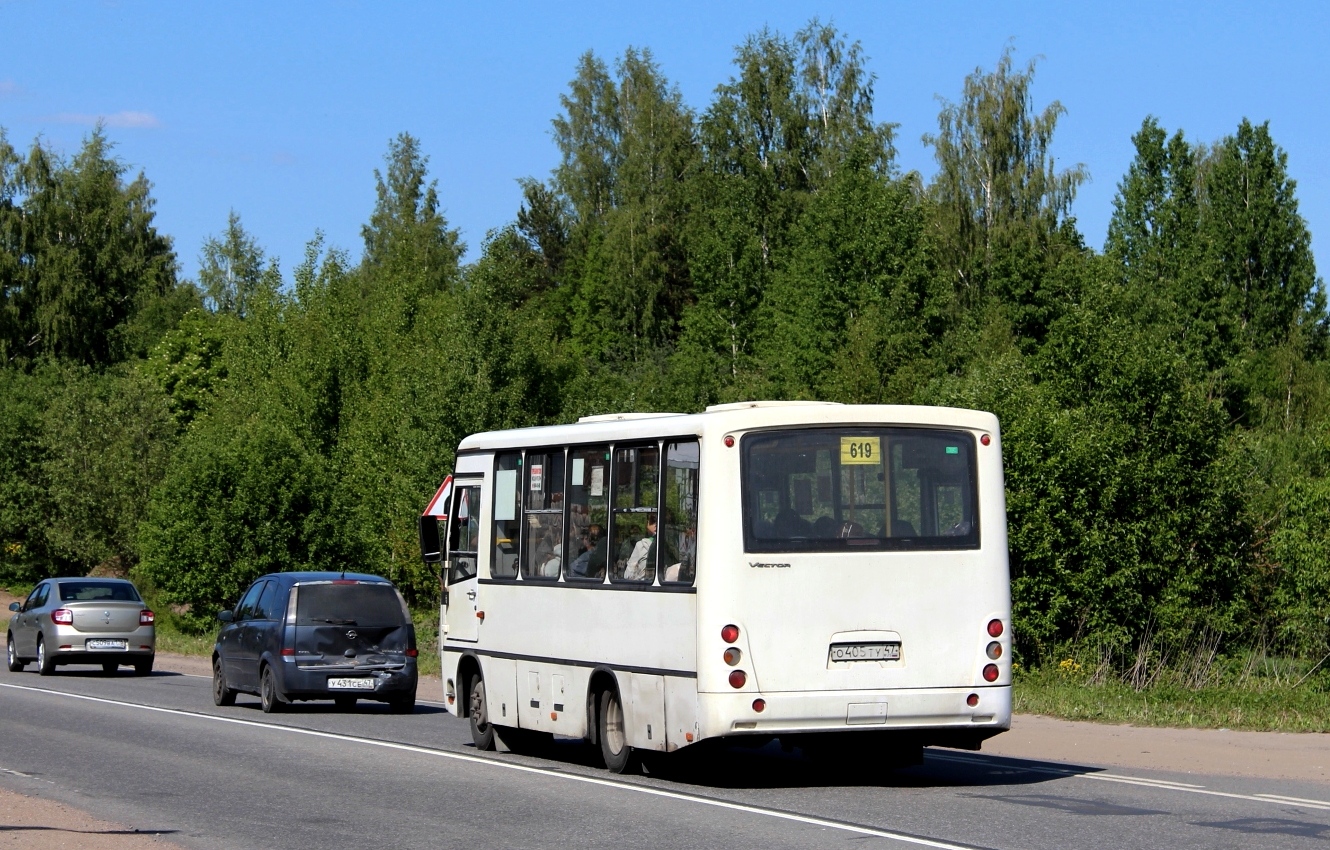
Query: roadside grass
(1286, 696)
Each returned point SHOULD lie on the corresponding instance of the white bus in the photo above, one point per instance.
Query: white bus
(819, 573)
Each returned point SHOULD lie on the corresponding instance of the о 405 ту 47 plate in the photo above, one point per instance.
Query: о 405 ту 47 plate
(351, 684)
(865, 652)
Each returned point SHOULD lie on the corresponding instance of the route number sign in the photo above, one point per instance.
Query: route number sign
(860, 451)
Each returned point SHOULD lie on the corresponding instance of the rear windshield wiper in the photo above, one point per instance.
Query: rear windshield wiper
(335, 621)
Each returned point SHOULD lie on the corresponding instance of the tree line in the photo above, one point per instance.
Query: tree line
(1164, 401)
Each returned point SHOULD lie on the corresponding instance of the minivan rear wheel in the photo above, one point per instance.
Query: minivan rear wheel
(268, 695)
(482, 731)
(221, 694)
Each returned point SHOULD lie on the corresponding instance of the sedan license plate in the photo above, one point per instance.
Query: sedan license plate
(106, 644)
(351, 684)
(865, 652)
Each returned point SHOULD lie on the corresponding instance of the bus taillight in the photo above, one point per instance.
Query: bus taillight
(759, 705)
(990, 673)
(995, 650)
(733, 656)
(995, 628)
(739, 678)
(730, 633)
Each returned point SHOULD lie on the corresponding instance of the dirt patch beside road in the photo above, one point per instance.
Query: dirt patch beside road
(34, 822)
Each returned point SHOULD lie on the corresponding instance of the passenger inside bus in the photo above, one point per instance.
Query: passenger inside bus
(591, 563)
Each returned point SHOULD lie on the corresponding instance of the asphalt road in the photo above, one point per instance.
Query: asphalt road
(156, 754)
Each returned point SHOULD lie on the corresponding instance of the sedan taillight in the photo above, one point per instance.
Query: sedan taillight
(62, 617)
(147, 618)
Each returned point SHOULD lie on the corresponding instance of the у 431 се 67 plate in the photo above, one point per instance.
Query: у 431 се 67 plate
(343, 684)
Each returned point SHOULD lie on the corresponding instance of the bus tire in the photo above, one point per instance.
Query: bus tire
(482, 731)
(613, 734)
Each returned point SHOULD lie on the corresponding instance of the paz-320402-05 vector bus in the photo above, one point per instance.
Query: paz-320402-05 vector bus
(824, 574)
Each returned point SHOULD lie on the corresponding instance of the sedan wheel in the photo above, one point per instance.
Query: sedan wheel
(45, 661)
(14, 664)
(268, 697)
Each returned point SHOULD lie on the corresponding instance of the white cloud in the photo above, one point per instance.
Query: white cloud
(134, 120)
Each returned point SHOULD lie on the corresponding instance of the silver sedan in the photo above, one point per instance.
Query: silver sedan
(82, 621)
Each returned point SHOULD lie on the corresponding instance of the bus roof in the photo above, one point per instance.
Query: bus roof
(741, 416)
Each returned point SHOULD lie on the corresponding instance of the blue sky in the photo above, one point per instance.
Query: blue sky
(282, 111)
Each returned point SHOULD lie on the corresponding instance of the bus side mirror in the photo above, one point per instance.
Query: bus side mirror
(430, 549)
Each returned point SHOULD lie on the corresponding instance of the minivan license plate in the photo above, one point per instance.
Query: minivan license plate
(865, 652)
(351, 684)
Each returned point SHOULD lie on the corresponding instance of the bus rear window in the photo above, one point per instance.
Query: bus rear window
(846, 489)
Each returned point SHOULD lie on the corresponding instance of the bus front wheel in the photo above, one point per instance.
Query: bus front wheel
(613, 735)
(482, 731)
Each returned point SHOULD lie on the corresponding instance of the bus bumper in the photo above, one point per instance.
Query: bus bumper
(945, 710)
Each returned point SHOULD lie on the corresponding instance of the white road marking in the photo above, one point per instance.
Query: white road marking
(1282, 799)
(552, 774)
(1149, 783)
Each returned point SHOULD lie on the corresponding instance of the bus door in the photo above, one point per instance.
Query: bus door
(462, 562)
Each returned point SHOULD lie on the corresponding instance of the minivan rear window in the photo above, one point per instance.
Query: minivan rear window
(362, 605)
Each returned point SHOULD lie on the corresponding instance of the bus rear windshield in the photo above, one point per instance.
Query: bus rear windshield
(847, 489)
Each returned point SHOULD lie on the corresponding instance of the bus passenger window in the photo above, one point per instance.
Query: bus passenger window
(507, 524)
(678, 533)
(636, 501)
(588, 495)
(543, 508)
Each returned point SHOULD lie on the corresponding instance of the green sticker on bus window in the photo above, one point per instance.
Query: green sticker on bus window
(860, 451)
(953, 450)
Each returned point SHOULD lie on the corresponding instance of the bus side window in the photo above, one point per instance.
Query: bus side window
(678, 533)
(633, 523)
(463, 534)
(507, 514)
(543, 508)
(588, 495)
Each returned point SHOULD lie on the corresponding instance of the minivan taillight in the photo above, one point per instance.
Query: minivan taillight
(62, 617)
(147, 618)
(412, 653)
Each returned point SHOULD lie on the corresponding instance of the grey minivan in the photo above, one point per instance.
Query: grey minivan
(310, 636)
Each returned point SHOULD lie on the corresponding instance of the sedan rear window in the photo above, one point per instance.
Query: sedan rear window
(94, 591)
(349, 605)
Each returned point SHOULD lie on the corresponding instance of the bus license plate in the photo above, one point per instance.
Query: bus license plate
(351, 684)
(865, 652)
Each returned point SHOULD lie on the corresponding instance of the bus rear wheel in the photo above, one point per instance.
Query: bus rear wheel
(619, 757)
(482, 731)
